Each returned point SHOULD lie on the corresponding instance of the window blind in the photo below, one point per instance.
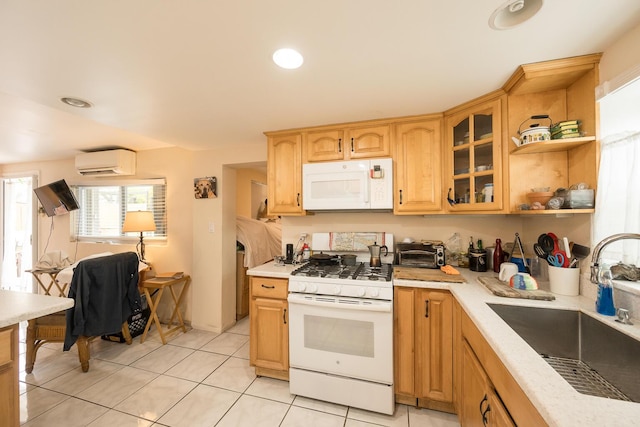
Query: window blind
(103, 207)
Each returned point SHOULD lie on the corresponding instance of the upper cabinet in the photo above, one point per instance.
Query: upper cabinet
(417, 156)
(474, 156)
(366, 141)
(563, 89)
(284, 174)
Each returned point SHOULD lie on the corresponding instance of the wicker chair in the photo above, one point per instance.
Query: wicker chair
(52, 328)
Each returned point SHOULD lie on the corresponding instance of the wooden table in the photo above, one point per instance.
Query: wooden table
(159, 284)
(49, 276)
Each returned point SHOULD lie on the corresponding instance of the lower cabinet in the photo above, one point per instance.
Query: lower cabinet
(480, 405)
(269, 327)
(423, 348)
(10, 402)
(487, 394)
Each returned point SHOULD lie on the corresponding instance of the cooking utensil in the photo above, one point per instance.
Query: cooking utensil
(546, 242)
(535, 132)
(539, 251)
(579, 251)
(374, 250)
(524, 259)
(556, 250)
(567, 247)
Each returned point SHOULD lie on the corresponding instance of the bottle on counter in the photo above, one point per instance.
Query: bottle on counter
(604, 302)
(306, 252)
(498, 256)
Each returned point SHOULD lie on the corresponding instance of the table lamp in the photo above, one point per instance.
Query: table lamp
(139, 221)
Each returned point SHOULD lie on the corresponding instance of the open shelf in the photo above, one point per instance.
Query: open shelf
(553, 145)
(554, 211)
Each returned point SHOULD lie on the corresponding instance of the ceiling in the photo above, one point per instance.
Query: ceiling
(198, 74)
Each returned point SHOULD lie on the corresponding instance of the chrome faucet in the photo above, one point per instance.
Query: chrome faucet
(595, 258)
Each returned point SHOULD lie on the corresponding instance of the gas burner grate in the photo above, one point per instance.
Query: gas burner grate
(584, 379)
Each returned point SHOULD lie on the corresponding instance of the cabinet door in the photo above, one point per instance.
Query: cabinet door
(269, 334)
(284, 175)
(322, 146)
(404, 340)
(368, 142)
(434, 341)
(473, 146)
(418, 162)
(475, 384)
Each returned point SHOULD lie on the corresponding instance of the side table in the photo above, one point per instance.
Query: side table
(159, 284)
(48, 276)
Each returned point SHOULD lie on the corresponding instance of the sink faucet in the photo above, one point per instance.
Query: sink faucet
(595, 258)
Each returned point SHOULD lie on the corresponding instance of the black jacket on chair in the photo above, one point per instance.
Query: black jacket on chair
(105, 290)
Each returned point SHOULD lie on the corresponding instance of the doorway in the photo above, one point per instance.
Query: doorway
(18, 219)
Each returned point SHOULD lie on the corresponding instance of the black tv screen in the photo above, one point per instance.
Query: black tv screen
(56, 198)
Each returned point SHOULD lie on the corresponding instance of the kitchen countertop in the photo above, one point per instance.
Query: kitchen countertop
(558, 403)
(18, 306)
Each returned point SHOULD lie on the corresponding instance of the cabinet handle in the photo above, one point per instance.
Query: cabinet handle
(298, 199)
(268, 286)
(339, 145)
(426, 308)
(400, 202)
(484, 415)
(284, 316)
(483, 412)
(352, 150)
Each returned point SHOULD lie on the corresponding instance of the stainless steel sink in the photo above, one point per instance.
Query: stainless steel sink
(593, 357)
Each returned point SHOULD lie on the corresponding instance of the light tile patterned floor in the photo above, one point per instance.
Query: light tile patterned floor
(197, 379)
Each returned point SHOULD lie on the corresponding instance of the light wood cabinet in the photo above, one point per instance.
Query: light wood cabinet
(269, 327)
(417, 153)
(284, 174)
(10, 402)
(484, 385)
(481, 406)
(350, 143)
(474, 156)
(564, 90)
(423, 347)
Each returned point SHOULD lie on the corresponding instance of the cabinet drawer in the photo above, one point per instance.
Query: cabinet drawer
(6, 346)
(268, 287)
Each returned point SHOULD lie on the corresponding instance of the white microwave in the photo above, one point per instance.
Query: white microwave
(350, 185)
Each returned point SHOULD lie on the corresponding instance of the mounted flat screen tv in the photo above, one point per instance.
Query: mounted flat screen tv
(56, 198)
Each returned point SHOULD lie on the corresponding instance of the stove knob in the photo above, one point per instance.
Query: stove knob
(337, 289)
(301, 287)
(313, 288)
(360, 292)
(374, 292)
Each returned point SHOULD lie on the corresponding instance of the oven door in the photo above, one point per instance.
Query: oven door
(350, 337)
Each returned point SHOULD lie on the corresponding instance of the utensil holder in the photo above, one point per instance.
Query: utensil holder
(564, 281)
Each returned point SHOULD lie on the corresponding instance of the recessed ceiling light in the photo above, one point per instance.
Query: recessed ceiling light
(76, 102)
(513, 13)
(287, 58)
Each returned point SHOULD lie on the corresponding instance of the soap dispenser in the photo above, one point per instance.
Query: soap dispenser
(604, 302)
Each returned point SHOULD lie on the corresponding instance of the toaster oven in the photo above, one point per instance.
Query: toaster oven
(423, 255)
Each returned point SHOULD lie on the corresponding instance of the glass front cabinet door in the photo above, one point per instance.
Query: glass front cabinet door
(473, 180)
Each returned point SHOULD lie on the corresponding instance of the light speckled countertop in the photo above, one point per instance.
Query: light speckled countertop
(18, 306)
(557, 401)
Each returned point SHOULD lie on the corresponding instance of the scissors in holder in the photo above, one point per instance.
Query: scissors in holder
(556, 260)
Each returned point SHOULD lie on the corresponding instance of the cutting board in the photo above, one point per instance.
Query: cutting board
(502, 289)
(425, 275)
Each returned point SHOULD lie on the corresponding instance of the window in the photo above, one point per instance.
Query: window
(618, 199)
(103, 206)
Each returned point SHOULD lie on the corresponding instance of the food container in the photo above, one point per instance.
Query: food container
(541, 197)
(535, 132)
(580, 199)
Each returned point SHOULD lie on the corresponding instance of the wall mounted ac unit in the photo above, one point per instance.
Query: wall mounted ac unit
(106, 163)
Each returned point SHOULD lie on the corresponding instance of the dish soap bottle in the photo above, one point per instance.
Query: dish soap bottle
(604, 303)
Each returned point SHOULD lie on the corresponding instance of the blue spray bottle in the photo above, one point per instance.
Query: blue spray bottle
(604, 303)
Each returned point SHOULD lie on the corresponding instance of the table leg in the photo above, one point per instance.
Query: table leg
(153, 304)
(176, 309)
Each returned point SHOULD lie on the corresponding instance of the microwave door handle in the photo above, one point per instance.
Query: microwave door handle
(367, 185)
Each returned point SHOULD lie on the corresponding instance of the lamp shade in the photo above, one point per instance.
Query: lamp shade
(139, 221)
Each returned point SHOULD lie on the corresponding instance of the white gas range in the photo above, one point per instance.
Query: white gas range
(341, 334)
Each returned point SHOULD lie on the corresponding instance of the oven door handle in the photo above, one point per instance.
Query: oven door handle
(382, 308)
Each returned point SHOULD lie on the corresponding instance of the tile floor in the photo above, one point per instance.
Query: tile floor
(198, 379)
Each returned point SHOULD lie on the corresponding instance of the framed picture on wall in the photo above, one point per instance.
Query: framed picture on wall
(204, 188)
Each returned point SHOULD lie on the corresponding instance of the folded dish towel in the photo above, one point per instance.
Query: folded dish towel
(449, 269)
(523, 281)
